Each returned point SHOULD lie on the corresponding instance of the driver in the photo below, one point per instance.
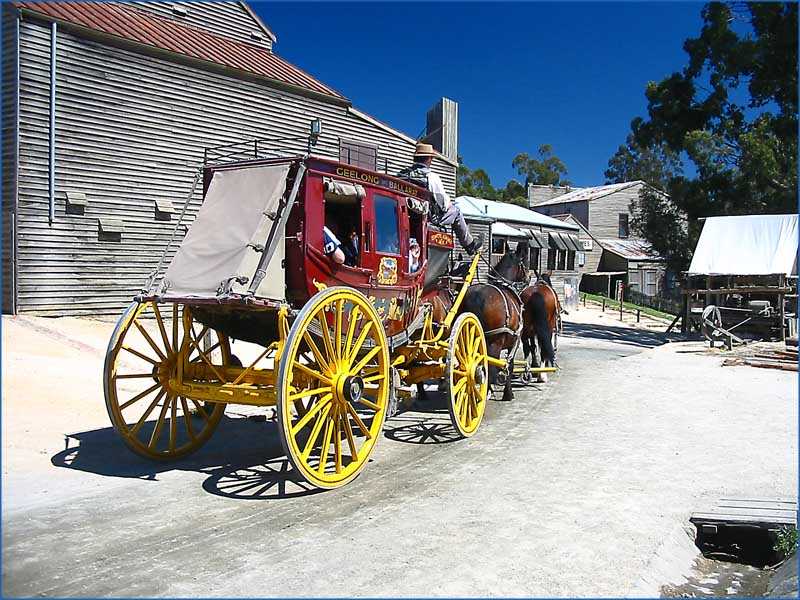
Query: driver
(444, 212)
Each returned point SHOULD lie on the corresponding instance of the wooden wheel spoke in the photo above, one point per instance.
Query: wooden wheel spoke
(315, 351)
(369, 403)
(473, 404)
(337, 443)
(348, 431)
(358, 420)
(462, 404)
(306, 393)
(187, 417)
(134, 376)
(162, 329)
(150, 341)
(200, 410)
(326, 444)
(325, 334)
(205, 359)
(139, 396)
(459, 385)
(159, 423)
(312, 439)
(374, 378)
(311, 372)
(351, 329)
(140, 355)
(173, 425)
(175, 327)
(147, 412)
(338, 329)
(362, 363)
(312, 412)
(359, 342)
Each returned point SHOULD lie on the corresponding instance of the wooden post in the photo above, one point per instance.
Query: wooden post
(638, 314)
(620, 309)
(604, 304)
(685, 329)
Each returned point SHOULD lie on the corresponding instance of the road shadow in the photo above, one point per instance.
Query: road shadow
(242, 460)
(426, 421)
(641, 338)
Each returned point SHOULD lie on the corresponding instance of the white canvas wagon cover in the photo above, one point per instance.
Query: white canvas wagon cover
(747, 245)
(223, 241)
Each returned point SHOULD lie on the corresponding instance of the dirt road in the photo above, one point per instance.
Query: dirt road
(567, 491)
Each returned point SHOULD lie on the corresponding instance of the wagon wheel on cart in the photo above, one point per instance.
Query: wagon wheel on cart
(333, 387)
(143, 354)
(467, 371)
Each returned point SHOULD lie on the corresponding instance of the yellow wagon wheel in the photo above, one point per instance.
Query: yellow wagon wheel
(467, 374)
(153, 419)
(333, 387)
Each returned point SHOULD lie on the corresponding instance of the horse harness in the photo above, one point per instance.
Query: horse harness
(505, 329)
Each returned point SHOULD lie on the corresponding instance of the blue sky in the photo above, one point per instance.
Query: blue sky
(568, 74)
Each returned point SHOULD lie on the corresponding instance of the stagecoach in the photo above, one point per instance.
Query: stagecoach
(338, 344)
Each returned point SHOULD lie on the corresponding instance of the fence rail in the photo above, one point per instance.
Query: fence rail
(665, 305)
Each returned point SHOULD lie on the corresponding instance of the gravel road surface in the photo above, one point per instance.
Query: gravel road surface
(567, 491)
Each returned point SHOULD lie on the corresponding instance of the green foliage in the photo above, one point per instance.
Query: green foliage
(655, 165)
(731, 115)
(547, 170)
(786, 541)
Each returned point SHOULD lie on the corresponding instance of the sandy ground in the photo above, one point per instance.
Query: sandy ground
(567, 491)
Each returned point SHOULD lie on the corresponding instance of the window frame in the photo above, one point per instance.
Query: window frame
(378, 225)
(624, 218)
(347, 148)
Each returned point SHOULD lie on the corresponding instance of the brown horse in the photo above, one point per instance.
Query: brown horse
(540, 320)
(499, 309)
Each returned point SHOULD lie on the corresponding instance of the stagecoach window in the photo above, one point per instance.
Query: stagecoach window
(359, 155)
(387, 241)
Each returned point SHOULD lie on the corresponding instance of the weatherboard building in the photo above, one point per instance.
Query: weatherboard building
(107, 110)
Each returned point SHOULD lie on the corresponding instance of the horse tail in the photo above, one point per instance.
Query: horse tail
(542, 326)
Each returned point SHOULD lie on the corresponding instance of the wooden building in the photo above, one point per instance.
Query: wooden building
(553, 243)
(107, 110)
(610, 250)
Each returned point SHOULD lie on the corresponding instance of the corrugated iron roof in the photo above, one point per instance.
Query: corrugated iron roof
(503, 211)
(630, 249)
(507, 231)
(128, 23)
(590, 193)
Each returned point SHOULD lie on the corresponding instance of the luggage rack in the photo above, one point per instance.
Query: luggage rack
(283, 147)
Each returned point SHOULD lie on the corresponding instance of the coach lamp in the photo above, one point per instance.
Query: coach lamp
(314, 133)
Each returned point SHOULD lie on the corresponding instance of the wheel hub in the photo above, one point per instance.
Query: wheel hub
(479, 374)
(352, 389)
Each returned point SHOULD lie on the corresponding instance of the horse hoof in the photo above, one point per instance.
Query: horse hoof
(542, 377)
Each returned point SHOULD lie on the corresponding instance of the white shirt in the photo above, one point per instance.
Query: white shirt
(436, 188)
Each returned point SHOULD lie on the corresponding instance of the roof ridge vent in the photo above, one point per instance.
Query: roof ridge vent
(179, 10)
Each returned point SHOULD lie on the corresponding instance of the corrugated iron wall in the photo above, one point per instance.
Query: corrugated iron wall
(9, 153)
(130, 130)
(226, 18)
